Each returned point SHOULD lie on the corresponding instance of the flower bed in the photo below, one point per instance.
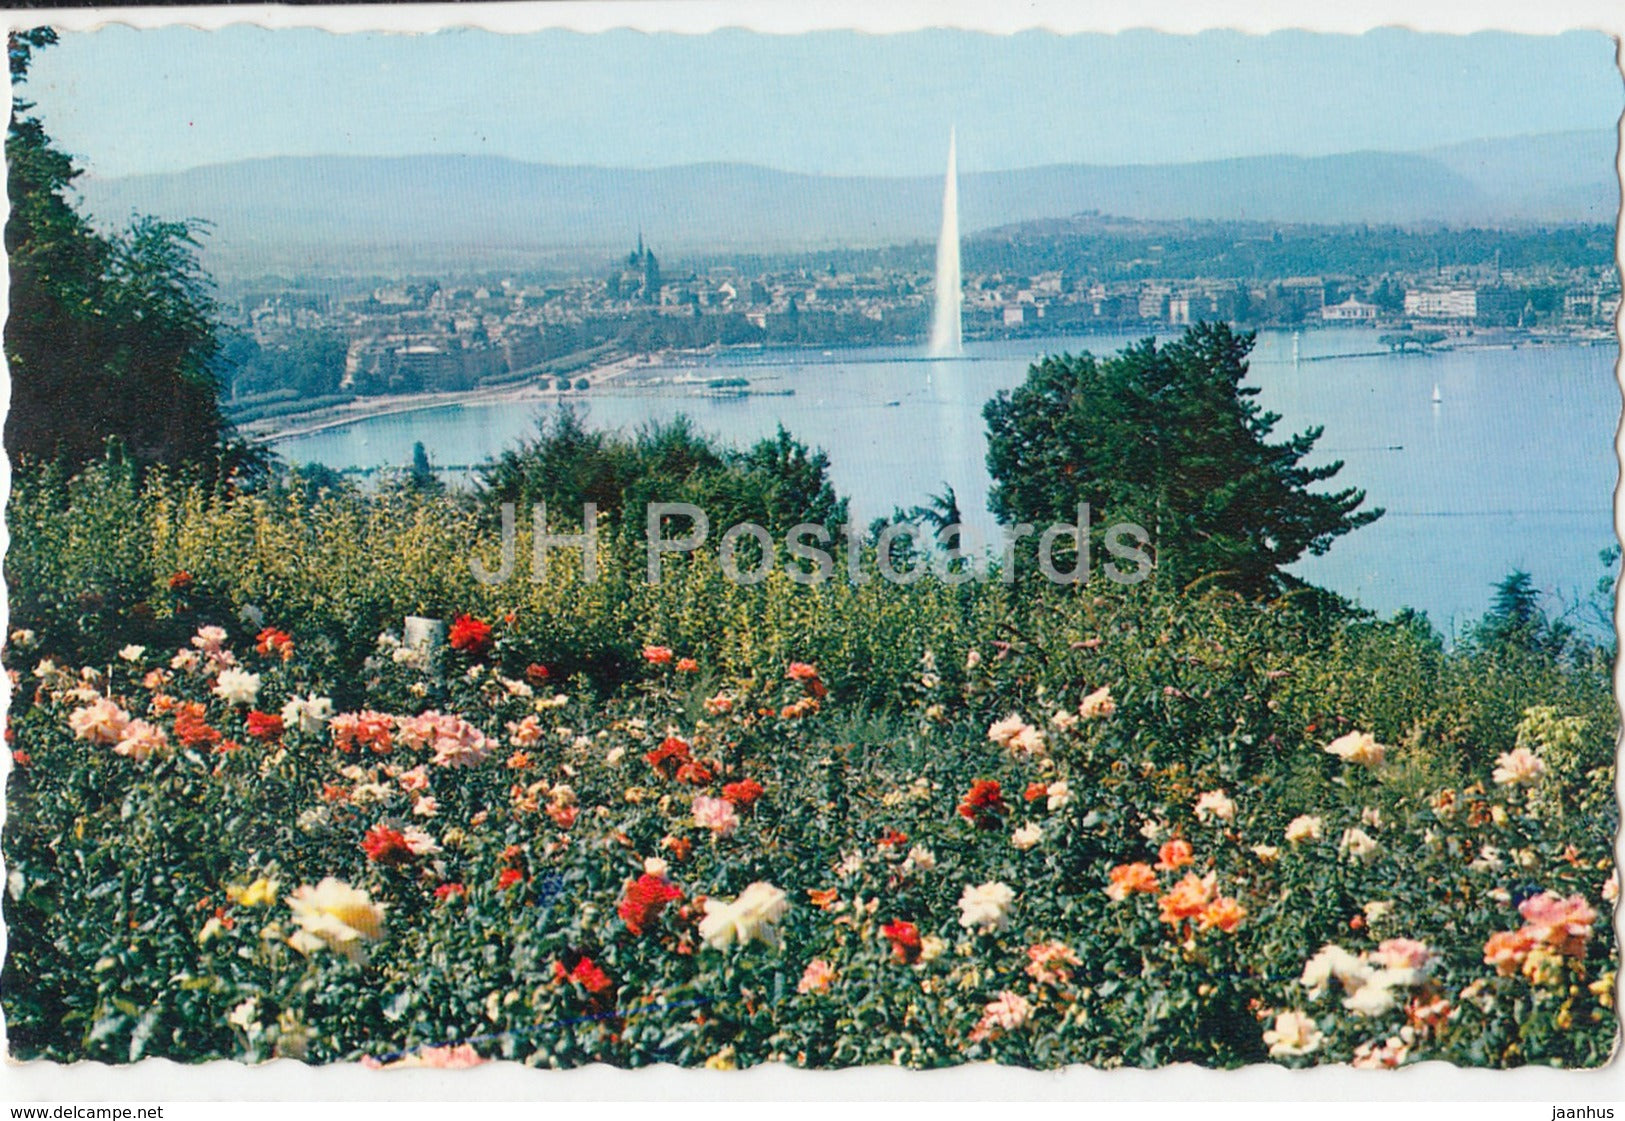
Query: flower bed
(209, 858)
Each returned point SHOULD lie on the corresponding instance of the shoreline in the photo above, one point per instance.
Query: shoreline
(276, 430)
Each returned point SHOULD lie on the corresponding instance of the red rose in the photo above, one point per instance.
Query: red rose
(180, 581)
(264, 725)
(657, 655)
(449, 891)
(470, 635)
(743, 792)
(384, 844)
(1035, 791)
(191, 729)
(645, 898)
(21, 758)
(905, 941)
(983, 804)
(509, 877)
(272, 641)
(585, 973)
(687, 665)
(892, 837)
(695, 773)
(589, 976)
(537, 672)
(669, 756)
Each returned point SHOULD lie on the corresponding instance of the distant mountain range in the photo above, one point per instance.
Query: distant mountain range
(287, 213)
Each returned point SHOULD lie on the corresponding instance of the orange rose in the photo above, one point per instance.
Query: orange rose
(1126, 879)
(1506, 950)
(1174, 854)
(1188, 898)
(1223, 913)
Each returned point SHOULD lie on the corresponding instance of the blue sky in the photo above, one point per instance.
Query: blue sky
(130, 101)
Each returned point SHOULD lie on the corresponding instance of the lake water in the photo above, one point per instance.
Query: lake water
(1515, 468)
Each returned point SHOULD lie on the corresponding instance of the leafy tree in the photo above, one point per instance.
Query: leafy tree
(777, 482)
(1171, 439)
(109, 335)
(310, 363)
(1517, 620)
(421, 476)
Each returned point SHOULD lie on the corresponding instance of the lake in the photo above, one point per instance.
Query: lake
(1514, 468)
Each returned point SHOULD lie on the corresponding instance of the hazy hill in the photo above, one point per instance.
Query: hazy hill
(334, 211)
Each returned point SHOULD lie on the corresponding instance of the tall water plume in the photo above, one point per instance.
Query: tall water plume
(947, 333)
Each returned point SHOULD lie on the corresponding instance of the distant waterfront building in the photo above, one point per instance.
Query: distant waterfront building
(426, 366)
(1153, 302)
(1499, 305)
(1442, 303)
(1351, 310)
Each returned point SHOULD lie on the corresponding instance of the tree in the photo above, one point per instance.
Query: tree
(1171, 439)
(777, 482)
(421, 477)
(1515, 619)
(109, 335)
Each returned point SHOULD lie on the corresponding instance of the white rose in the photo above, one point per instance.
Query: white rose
(1215, 803)
(1333, 961)
(1305, 827)
(920, 859)
(235, 686)
(1357, 844)
(307, 714)
(1360, 748)
(1372, 999)
(1294, 1034)
(986, 908)
(749, 918)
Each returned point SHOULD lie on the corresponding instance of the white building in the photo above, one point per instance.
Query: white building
(1351, 310)
(1442, 303)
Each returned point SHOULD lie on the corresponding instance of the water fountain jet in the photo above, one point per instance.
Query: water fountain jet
(947, 331)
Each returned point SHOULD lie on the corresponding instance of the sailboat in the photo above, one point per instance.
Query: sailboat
(1436, 395)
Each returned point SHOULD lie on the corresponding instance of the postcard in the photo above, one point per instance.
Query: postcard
(819, 549)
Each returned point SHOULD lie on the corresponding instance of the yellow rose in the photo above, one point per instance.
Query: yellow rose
(338, 915)
(260, 893)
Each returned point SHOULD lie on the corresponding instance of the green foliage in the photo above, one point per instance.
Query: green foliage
(1516, 620)
(133, 930)
(420, 476)
(1120, 249)
(310, 365)
(109, 335)
(1168, 438)
(777, 482)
